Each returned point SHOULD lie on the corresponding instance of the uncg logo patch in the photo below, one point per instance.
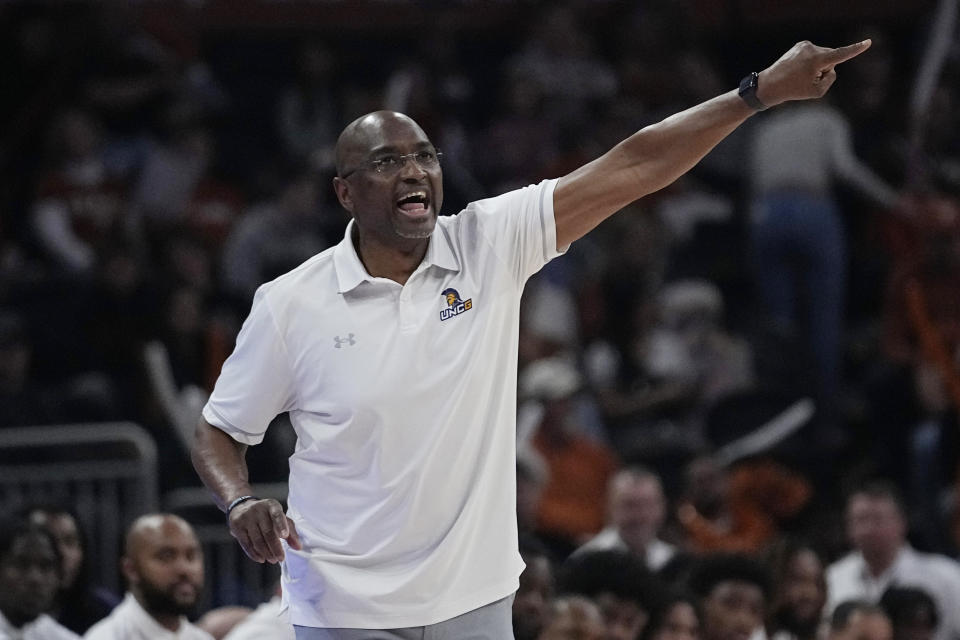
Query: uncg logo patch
(455, 304)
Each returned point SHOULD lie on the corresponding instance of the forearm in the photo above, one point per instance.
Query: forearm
(659, 154)
(645, 162)
(221, 464)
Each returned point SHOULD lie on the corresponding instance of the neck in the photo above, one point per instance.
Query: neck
(169, 621)
(877, 563)
(396, 261)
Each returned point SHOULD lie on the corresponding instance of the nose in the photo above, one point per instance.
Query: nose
(410, 169)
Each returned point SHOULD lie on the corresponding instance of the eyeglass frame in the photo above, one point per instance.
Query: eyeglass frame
(377, 163)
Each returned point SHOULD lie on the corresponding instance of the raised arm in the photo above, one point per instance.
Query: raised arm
(257, 524)
(657, 155)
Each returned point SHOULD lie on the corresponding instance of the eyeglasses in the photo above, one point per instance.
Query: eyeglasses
(392, 163)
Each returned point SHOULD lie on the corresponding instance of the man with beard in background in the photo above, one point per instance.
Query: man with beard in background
(163, 566)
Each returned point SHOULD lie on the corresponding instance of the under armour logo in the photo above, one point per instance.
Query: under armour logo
(339, 342)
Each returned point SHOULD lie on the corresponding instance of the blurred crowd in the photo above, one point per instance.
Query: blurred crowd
(738, 398)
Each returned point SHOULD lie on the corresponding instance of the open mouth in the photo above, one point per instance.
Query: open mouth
(414, 203)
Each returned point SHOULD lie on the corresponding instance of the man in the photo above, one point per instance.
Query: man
(637, 511)
(799, 592)
(163, 566)
(401, 505)
(619, 583)
(574, 618)
(859, 620)
(30, 572)
(733, 589)
(882, 557)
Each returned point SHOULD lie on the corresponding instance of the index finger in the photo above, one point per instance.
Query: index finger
(842, 54)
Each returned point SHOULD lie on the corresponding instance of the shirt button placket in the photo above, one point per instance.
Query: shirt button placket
(407, 315)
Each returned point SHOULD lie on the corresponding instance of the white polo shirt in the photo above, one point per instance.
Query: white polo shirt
(403, 398)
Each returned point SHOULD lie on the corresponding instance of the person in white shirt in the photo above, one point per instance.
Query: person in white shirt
(163, 566)
(882, 557)
(638, 508)
(395, 354)
(30, 573)
(797, 232)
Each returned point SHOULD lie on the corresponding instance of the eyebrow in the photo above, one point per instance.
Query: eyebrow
(389, 148)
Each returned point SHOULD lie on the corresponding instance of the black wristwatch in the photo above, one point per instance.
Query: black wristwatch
(748, 91)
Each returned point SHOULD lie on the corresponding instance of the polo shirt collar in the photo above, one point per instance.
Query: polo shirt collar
(351, 272)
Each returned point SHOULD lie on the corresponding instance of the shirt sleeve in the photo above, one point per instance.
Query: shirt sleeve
(256, 383)
(520, 227)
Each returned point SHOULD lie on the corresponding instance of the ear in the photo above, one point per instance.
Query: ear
(129, 571)
(342, 189)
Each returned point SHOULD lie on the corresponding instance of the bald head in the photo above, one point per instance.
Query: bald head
(359, 138)
(148, 530)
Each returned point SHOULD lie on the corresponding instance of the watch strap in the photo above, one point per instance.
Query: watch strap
(748, 91)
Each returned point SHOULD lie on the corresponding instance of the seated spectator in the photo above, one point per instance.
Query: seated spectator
(912, 612)
(572, 505)
(677, 617)
(80, 208)
(619, 583)
(799, 592)
(734, 590)
(859, 620)
(740, 508)
(531, 605)
(574, 618)
(690, 344)
(29, 580)
(79, 604)
(637, 511)
(881, 557)
(163, 566)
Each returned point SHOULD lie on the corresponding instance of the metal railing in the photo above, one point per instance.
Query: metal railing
(107, 472)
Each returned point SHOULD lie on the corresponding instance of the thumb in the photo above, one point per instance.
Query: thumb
(292, 537)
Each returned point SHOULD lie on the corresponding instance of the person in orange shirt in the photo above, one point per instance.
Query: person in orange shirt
(738, 509)
(572, 506)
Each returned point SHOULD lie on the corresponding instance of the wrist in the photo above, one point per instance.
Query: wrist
(236, 502)
(748, 92)
(764, 83)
